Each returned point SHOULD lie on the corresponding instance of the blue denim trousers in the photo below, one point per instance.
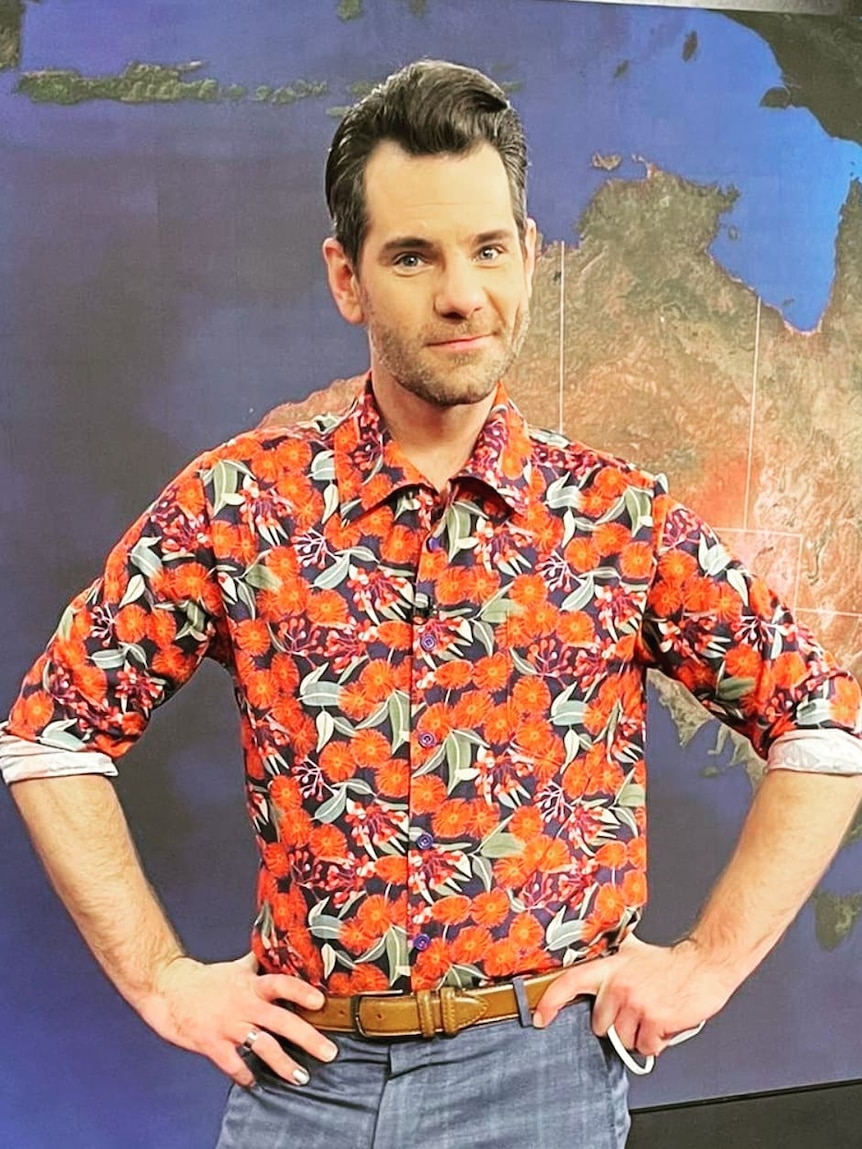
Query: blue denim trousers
(499, 1086)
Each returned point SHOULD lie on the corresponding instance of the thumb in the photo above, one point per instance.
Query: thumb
(579, 981)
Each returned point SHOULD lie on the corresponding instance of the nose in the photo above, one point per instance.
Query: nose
(459, 289)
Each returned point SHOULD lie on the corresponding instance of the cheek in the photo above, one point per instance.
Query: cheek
(403, 312)
(514, 294)
(515, 305)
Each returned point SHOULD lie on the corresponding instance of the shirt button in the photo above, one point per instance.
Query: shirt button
(426, 739)
(424, 841)
(427, 641)
(421, 942)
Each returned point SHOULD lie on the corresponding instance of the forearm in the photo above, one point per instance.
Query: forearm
(796, 823)
(79, 831)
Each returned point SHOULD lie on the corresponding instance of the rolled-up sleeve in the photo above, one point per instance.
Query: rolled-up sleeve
(132, 638)
(718, 629)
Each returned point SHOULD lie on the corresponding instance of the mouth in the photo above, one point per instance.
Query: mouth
(463, 343)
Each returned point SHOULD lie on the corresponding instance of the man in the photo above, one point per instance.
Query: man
(438, 622)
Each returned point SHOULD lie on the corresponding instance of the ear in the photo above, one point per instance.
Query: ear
(530, 241)
(343, 282)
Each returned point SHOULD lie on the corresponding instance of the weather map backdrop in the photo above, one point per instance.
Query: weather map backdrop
(698, 309)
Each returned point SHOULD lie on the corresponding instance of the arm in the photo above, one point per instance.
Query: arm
(648, 993)
(123, 647)
(81, 835)
(717, 629)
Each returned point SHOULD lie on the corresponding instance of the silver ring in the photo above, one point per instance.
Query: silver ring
(251, 1038)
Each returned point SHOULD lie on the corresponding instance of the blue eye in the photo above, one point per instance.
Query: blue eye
(408, 260)
(488, 254)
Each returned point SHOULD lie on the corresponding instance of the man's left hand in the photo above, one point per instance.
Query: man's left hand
(648, 993)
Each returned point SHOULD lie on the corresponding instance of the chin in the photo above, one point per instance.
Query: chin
(460, 397)
(451, 391)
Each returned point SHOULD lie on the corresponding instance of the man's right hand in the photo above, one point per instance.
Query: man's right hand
(212, 1009)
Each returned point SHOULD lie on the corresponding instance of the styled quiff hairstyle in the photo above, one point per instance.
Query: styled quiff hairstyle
(428, 108)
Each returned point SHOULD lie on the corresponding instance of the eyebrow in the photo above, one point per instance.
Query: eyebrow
(418, 243)
(406, 242)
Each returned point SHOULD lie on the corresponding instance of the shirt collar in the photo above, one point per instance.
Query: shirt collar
(370, 466)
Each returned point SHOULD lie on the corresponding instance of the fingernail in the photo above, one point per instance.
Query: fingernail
(300, 1076)
(329, 1053)
(538, 1021)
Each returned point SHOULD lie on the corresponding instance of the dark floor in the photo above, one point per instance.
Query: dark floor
(828, 1117)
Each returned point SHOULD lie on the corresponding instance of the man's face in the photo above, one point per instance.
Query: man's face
(443, 281)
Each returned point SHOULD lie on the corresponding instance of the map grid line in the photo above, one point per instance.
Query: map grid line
(749, 462)
(562, 354)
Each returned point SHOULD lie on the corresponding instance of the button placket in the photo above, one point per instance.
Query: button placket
(427, 642)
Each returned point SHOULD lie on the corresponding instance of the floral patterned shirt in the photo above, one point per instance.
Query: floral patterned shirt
(442, 698)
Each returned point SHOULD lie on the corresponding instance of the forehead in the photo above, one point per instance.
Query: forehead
(423, 195)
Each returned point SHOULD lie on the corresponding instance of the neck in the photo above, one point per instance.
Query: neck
(436, 440)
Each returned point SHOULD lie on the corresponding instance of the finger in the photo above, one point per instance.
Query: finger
(649, 1040)
(629, 1057)
(626, 1031)
(281, 1063)
(248, 961)
(281, 986)
(584, 980)
(640, 1035)
(234, 1066)
(608, 1011)
(654, 1039)
(285, 1023)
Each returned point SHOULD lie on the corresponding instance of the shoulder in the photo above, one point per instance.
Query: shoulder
(569, 459)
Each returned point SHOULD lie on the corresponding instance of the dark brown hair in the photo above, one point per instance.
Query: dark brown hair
(428, 108)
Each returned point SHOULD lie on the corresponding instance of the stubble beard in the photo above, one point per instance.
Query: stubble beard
(467, 378)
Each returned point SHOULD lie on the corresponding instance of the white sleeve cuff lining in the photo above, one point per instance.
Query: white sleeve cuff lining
(21, 760)
(817, 752)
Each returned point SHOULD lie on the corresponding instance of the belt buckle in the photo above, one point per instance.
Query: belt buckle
(355, 1003)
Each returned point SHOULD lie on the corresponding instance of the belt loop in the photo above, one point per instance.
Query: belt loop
(448, 1010)
(524, 1015)
(426, 1013)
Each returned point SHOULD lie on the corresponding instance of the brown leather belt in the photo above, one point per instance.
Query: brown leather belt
(426, 1013)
